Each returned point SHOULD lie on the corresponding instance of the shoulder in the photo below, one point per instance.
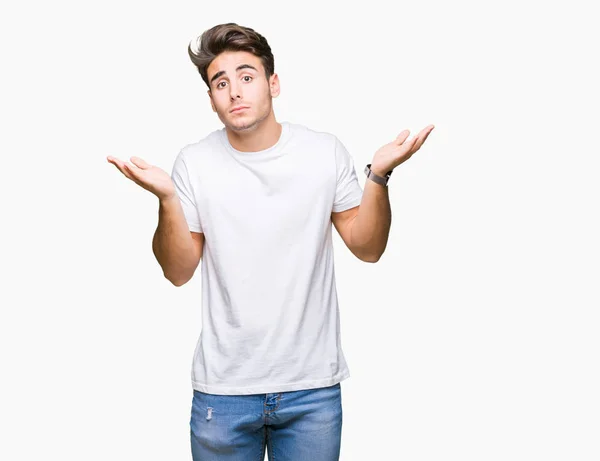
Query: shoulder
(306, 135)
(194, 155)
(305, 131)
(196, 149)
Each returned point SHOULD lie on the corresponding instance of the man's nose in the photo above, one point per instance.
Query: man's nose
(234, 92)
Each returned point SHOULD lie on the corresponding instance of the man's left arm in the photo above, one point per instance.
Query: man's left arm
(365, 229)
(370, 228)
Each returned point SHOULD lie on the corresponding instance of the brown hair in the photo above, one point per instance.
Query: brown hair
(230, 37)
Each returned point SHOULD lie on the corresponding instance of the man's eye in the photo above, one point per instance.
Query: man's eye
(247, 76)
(219, 84)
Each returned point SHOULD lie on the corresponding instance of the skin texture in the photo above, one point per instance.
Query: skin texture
(254, 128)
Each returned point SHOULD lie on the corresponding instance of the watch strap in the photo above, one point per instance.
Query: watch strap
(376, 178)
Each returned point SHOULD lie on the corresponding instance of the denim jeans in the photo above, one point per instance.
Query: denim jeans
(303, 425)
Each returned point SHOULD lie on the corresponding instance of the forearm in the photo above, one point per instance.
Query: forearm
(172, 243)
(371, 227)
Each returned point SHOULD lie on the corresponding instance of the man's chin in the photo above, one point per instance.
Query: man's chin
(242, 125)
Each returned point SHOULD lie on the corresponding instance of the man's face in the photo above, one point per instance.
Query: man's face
(237, 78)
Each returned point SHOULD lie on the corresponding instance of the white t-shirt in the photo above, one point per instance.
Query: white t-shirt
(270, 316)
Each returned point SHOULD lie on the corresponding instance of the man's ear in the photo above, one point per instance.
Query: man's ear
(274, 85)
(211, 100)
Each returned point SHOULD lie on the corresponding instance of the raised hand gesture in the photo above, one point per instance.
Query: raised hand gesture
(398, 151)
(148, 176)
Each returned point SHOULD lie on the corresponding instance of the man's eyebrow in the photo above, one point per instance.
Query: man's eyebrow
(240, 67)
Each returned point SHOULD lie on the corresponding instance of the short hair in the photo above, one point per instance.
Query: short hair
(230, 37)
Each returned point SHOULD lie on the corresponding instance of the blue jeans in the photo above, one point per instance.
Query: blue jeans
(303, 425)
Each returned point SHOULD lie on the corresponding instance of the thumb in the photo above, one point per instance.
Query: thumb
(402, 136)
(140, 163)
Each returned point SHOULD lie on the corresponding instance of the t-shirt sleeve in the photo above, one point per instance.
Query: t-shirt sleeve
(181, 180)
(348, 193)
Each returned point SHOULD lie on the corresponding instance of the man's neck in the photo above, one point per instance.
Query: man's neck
(264, 136)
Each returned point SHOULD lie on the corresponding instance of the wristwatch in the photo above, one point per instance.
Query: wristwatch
(376, 178)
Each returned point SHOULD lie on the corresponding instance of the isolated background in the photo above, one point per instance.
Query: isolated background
(475, 337)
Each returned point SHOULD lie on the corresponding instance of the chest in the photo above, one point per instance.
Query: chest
(264, 200)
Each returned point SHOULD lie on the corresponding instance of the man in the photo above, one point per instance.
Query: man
(255, 202)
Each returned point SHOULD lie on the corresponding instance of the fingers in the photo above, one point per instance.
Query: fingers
(131, 171)
(416, 142)
(140, 163)
(121, 166)
(402, 142)
(402, 137)
(423, 136)
(409, 146)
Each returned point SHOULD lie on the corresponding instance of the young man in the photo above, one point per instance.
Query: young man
(255, 202)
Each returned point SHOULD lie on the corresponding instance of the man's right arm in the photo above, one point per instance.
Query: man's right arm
(177, 250)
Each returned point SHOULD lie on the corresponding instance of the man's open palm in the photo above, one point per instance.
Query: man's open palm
(148, 176)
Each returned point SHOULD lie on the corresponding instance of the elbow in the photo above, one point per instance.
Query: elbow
(371, 259)
(369, 253)
(178, 281)
(368, 257)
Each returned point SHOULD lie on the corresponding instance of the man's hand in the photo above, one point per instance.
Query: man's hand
(398, 151)
(147, 176)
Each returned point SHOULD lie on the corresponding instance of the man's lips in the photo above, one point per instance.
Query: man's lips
(237, 109)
